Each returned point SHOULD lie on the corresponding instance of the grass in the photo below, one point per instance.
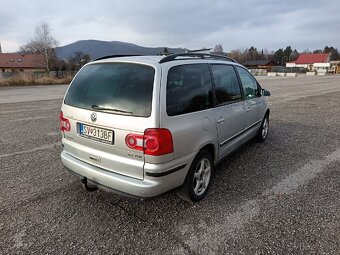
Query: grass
(31, 80)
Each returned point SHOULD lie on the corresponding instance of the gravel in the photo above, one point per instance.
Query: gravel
(278, 197)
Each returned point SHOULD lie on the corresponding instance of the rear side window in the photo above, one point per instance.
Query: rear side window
(227, 88)
(124, 87)
(249, 84)
(188, 89)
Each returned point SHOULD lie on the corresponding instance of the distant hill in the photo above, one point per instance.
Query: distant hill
(98, 49)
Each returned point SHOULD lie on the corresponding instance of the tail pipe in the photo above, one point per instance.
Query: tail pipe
(86, 186)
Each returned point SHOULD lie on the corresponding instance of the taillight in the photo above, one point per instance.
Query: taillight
(158, 141)
(155, 141)
(134, 141)
(65, 125)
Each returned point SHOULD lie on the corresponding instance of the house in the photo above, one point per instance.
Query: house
(312, 62)
(14, 63)
(259, 64)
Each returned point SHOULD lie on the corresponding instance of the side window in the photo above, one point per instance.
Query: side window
(188, 89)
(227, 88)
(249, 84)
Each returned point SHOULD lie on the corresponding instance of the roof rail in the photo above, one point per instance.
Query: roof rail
(115, 56)
(195, 54)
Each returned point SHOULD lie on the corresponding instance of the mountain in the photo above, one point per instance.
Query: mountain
(98, 49)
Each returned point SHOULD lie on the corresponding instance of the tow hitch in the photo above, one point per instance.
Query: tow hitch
(86, 186)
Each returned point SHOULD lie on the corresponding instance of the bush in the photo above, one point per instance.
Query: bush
(32, 79)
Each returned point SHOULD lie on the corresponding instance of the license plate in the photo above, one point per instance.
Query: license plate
(100, 134)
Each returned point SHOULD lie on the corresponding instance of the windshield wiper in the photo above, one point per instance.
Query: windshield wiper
(99, 108)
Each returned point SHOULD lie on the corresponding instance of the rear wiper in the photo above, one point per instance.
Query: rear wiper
(99, 108)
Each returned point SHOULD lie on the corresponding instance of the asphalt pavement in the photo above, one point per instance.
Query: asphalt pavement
(277, 197)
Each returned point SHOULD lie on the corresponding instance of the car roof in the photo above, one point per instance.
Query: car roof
(152, 59)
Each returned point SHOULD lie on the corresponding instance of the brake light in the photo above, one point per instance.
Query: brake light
(65, 125)
(155, 141)
(158, 141)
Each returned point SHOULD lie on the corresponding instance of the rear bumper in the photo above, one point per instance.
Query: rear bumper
(150, 186)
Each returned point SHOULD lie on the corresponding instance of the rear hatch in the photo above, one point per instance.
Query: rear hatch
(104, 104)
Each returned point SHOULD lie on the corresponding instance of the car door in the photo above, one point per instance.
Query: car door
(188, 108)
(230, 112)
(253, 101)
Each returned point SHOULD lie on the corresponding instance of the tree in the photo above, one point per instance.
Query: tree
(77, 60)
(333, 51)
(278, 57)
(239, 55)
(266, 54)
(57, 65)
(165, 51)
(282, 56)
(287, 54)
(253, 54)
(42, 43)
(317, 51)
(294, 55)
(218, 49)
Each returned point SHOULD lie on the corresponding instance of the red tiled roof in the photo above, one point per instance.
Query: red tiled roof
(14, 60)
(312, 58)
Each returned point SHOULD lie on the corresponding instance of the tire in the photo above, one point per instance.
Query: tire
(197, 182)
(263, 131)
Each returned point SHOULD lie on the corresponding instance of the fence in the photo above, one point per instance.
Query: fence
(282, 69)
(258, 72)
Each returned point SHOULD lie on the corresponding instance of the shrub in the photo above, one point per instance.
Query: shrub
(31, 79)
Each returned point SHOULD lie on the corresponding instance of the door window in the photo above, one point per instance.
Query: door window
(227, 88)
(188, 89)
(249, 84)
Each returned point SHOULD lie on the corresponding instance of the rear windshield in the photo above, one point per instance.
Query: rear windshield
(120, 88)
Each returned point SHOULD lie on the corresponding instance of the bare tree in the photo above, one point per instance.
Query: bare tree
(306, 51)
(265, 54)
(42, 43)
(218, 49)
(77, 60)
(240, 55)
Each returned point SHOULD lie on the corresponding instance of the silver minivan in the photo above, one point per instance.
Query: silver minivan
(144, 125)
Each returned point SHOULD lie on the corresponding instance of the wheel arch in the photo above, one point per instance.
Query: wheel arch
(210, 148)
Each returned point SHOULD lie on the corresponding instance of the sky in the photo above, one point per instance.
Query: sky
(191, 24)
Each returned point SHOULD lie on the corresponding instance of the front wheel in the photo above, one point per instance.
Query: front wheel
(197, 181)
(263, 131)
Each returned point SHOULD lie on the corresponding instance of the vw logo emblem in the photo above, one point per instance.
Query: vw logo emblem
(94, 117)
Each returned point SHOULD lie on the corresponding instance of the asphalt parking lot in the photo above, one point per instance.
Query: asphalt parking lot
(278, 197)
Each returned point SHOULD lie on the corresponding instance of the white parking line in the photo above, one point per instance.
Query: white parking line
(308, 172)
(229, 225)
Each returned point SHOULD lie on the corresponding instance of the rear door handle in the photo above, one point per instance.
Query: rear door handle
(220, 120)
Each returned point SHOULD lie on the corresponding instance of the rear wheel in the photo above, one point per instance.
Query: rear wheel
(263, 131)
(197, 181)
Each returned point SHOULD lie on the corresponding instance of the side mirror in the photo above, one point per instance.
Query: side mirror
(266, 92)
